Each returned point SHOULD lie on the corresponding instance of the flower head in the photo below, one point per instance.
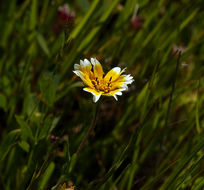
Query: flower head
(137, 22)
(65, 14)
(112, 84)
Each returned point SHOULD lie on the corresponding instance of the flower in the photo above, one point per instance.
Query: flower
(112, 84)
(65, 14)
(137, 22)
(65, 21)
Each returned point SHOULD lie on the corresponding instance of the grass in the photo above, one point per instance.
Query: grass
(151, 138)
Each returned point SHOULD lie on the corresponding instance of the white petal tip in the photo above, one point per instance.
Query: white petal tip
(76, 73)
(115, 97)
(118, 93)
(117, 69)
(86, 61)
(96, 98)
(94, 61)
(123, 70)
(76, 66)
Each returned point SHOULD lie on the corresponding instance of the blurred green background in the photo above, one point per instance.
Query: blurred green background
(151, 138)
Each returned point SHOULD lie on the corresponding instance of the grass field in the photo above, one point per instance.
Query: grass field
(152, 138)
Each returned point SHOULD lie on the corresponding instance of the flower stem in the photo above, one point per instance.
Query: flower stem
(93, 124)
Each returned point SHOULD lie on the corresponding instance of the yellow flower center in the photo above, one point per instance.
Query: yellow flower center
(102, 85)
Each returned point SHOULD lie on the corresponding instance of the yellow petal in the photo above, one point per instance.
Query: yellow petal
(113, 74)
(113, 92)
(85, 78)
(116, 85)
(97, 68)
(92, 90)
(96, 94)
(85, 66)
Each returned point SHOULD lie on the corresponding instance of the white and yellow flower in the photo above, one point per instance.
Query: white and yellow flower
(112, 84)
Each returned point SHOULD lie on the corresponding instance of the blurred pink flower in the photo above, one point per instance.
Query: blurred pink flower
(65, 14)
(137, 22)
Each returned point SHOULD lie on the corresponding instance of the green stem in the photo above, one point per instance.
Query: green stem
(93, 124)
